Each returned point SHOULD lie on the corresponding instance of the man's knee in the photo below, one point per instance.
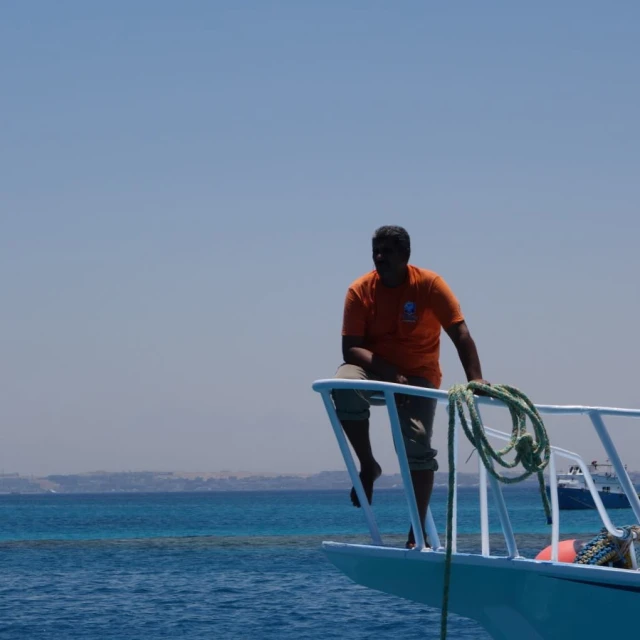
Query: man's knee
(351, 372)
(418, 432)
(420, 454)
(350, 404)
(428, 463)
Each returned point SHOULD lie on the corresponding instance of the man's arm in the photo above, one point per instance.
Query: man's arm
(461, 338)
(354, 353)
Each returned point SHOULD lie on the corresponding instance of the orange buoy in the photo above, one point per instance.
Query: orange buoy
(567, 551)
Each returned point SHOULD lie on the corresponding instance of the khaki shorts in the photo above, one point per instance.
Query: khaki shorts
(416, 414)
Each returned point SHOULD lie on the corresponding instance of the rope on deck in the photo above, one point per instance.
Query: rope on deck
(605, 548)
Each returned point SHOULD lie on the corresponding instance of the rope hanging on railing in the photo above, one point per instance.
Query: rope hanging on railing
(605, 548)
(532, 454)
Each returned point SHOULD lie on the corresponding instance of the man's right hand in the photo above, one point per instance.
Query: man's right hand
(402, 400)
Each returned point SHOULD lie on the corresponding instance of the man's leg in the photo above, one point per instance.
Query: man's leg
(352, 408)
(416, 418)
(357, 432)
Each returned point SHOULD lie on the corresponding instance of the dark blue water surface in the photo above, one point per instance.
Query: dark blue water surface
(221, 565)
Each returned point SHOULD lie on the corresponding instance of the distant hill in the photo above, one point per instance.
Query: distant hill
(175, 481)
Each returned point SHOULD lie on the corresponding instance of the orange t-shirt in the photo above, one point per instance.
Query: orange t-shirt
(402, 324)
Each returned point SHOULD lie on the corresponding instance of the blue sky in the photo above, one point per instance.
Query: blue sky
(189, 188)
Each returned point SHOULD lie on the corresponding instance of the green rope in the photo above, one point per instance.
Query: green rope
(532, 454)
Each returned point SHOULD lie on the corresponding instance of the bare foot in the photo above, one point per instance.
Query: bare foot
(411, 540)
(368, 475)
(412, 545)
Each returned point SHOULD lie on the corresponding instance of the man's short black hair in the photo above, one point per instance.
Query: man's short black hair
(398, 235)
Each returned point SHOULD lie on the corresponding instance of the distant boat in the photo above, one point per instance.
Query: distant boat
(573, 492)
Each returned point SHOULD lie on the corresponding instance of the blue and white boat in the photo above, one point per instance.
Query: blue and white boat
(510, 595)
(573, 492)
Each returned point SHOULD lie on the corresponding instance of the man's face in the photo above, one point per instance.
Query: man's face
(387, 257)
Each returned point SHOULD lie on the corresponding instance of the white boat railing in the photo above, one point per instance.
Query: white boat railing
(385, 392)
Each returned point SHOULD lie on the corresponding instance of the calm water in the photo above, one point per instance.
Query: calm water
(220, 565)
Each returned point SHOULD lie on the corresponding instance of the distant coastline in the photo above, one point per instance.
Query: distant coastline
(175, 481)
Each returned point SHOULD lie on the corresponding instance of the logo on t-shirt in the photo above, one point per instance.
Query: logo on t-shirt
(409, 312)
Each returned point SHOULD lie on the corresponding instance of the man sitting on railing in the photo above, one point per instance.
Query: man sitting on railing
(391, 331)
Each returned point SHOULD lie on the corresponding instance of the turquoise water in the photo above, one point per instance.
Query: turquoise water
(316, 513)
(220, 565)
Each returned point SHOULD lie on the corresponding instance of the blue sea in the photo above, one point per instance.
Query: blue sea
(223, 565)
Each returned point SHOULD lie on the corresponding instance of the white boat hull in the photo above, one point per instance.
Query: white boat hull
(527, 599)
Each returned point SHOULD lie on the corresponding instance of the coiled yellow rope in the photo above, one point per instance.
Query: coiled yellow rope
(605, 548)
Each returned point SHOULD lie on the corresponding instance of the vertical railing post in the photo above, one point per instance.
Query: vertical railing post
(484, 507)
(454, 523)
(396, 432)
(593, 490)
(612, 453)
(503, 514)
(432, 531)
(351, 467)
(555, 510)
